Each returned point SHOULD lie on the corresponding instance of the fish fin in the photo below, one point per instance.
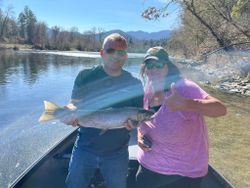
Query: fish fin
(50, 109)
(50, 106)
(46, 117)
(103, 131)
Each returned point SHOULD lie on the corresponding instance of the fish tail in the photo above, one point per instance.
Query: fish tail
(50, 109)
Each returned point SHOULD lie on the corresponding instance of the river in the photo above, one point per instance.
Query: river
(27, 78)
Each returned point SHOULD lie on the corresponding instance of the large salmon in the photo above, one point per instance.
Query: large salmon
(110, 118)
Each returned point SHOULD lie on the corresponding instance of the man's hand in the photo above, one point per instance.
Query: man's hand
(71, 118)
(175, 102)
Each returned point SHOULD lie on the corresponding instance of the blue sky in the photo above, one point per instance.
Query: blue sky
(106, 14)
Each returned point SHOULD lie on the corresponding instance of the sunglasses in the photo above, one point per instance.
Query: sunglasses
(112, 51)
(157, 65)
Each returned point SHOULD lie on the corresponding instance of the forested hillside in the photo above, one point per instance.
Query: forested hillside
(27, 29)
(207, 25)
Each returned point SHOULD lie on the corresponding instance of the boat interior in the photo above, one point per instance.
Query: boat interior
(51, 169)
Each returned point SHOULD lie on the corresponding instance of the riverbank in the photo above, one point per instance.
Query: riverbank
(237, 85)
(5, 46)
(226, 71)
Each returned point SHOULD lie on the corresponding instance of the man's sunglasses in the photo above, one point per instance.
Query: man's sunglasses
(112, 51)
(157, 65)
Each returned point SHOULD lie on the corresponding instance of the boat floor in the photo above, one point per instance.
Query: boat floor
(51, 170)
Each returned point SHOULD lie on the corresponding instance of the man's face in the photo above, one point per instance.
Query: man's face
(114, 54)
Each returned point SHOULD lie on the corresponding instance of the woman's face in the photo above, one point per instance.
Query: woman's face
(155, 70)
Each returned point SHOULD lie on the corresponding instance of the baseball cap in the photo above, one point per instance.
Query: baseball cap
(157, 53)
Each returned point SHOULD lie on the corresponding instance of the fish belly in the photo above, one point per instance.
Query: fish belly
(103, 121)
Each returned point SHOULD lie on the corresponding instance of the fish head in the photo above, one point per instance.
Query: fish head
(144, 115)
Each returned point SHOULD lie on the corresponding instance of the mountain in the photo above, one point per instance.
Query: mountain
(142, 35)
(126, 35)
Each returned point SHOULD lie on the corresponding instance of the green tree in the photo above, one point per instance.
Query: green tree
(27, 22)
(22, 25)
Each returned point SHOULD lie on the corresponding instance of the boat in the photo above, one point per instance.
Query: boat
(50, 170)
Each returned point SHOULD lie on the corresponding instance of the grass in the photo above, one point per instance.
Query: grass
(229, 138)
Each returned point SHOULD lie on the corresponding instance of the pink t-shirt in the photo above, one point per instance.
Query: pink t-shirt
(179, 139)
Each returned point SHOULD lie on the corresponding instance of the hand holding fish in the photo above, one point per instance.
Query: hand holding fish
(143, 142)
(130, 124)
(70, 118)
(175, 101)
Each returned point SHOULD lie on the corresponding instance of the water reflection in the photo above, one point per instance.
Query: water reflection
(28, 67)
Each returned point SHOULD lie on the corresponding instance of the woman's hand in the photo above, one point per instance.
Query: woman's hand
(175, 101)
(143, 142)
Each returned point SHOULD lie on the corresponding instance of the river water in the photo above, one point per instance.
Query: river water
(27, 78)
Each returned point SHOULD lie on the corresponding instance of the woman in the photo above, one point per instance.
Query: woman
(174, 144)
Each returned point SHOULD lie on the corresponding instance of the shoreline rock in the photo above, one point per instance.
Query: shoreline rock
(239, 85)
(229, 73)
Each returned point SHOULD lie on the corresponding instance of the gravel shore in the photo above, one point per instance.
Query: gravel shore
(229, 72)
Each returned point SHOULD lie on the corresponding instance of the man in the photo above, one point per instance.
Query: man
(107, 85)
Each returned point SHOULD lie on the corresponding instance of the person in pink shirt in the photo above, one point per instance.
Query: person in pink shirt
(174, 144)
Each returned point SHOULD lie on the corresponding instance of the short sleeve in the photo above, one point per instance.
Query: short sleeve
(79, 86)
(135, 88)
(138, 92)
(190, 90)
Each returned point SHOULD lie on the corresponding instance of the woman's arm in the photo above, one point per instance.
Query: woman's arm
(210, 106)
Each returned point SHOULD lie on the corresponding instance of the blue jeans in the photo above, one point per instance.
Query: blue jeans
(83, 165)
